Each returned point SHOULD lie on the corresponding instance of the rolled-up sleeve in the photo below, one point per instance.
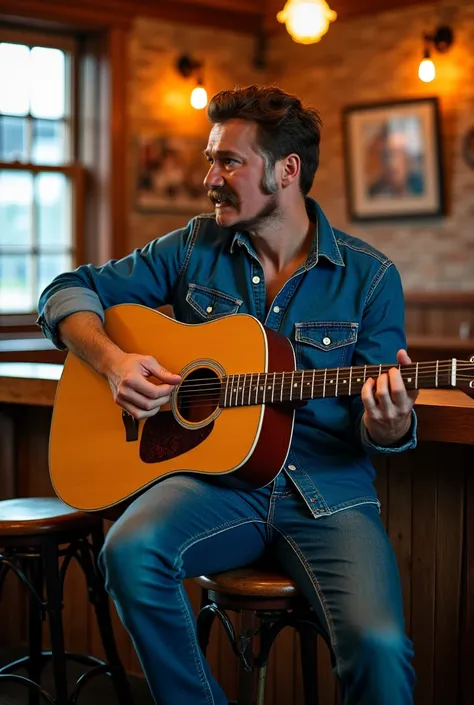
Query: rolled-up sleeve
(147, 276)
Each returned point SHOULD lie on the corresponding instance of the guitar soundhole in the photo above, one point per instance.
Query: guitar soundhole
(198, 395)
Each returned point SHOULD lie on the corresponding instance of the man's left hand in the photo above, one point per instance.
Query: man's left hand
(388, 405)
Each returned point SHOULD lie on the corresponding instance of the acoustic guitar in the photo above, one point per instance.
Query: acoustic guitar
(233, 412)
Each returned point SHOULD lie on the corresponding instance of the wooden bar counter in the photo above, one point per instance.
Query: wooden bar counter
(427, 498)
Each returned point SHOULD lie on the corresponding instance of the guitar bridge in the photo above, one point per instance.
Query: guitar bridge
(131, 427)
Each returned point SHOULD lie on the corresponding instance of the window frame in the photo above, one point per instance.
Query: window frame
(72, 169)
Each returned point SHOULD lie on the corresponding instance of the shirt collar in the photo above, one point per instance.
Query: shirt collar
(324, 241)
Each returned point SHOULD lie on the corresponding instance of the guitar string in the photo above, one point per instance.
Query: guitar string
(271, 377)
(296, 381)
(242, 395)
(406, 370)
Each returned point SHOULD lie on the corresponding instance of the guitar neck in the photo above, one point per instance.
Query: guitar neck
(301, 385)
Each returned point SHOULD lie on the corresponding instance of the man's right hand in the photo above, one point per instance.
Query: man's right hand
(131, 387)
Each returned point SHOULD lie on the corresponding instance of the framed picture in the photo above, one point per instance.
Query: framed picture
(169, 174)
(393, 160)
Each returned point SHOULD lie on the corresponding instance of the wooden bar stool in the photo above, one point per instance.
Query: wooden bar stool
(34, 534)
(268, 601)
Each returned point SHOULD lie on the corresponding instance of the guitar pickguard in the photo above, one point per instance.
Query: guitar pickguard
(164, 438)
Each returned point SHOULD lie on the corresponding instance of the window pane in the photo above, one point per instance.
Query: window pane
(16, 284)
(53, 202)
(48, 142)
(47, 83)
(16, 197)
(13, 140)
(49, 266)
(14, 78)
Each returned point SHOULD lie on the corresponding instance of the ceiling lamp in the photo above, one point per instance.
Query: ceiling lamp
(306, 20)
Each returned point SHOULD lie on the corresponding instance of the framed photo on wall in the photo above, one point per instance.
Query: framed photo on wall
(393, 160)
(169, 173)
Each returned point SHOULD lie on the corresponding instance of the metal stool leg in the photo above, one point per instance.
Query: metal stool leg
(54, 598)
(35, 624)
(246, 671)
(99, 598)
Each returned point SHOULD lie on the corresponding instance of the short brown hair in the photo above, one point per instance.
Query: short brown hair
(285, 126)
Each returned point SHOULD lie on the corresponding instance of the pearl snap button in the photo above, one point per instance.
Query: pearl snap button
(276, 309)
(209, 309)
(291, 467)
(256, 280)
(327, 341)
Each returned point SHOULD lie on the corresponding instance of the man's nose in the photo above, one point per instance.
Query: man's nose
(213, 178)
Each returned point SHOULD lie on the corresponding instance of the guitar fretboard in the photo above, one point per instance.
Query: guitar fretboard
(301, 385)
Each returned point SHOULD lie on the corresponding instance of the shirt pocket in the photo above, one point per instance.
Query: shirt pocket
(209, 304)
(321, 345)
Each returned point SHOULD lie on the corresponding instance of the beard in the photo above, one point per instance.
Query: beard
(268, 213)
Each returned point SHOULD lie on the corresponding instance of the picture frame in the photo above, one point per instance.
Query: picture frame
(169, 174)
(393, 160)
(468, 147)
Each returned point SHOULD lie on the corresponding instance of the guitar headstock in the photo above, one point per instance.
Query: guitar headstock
(465, 376)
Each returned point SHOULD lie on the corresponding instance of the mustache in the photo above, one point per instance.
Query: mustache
(222, 194)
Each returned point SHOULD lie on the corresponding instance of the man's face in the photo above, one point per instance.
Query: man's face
(234, 179)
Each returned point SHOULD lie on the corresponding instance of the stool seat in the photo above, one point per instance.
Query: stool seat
(250, 582)
(30, 516)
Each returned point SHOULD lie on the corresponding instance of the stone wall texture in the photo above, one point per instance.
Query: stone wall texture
(369, 59)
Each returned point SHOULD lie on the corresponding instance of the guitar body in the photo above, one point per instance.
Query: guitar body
(100, 461)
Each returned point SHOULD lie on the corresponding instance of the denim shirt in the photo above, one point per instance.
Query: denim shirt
(344, 306)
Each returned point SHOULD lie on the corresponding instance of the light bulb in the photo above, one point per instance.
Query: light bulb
(426, 70)
(199, 98)
(306, 20)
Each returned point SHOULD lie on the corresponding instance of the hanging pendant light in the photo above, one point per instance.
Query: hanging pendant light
(306, 20)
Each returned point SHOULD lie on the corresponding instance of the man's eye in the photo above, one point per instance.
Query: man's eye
(229, 160)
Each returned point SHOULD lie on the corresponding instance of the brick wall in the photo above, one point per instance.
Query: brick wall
(372, 58)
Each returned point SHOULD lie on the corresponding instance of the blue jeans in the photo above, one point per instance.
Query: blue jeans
(187, 525)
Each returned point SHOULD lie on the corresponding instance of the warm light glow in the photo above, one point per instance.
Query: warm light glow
(306, 20)
(426, 71)
(199, 98)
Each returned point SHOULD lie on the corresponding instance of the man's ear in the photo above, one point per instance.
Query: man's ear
(290, 169)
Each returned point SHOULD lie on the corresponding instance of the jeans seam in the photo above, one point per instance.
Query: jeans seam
(195, 647)
(212, 532)
(317, 587)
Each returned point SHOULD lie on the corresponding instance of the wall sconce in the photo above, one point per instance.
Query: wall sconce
(441, 40)
(306, 21)
(187, 66)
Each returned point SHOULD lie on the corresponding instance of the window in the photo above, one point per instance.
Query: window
(38, 174)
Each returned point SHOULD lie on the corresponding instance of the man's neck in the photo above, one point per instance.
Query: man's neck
(286, 239)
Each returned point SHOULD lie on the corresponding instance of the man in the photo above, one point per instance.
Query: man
(268, 251)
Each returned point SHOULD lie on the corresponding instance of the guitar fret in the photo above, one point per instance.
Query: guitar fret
(436, 375)
(256, 388)
(324, 382)
(291, 386)
(264, 390)
(337, 381)
(250, 388)
(416, 376)
(301, 389)
(350, 380)
(273, 386)
(243, 389)
(226, 390)
(312, 385)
